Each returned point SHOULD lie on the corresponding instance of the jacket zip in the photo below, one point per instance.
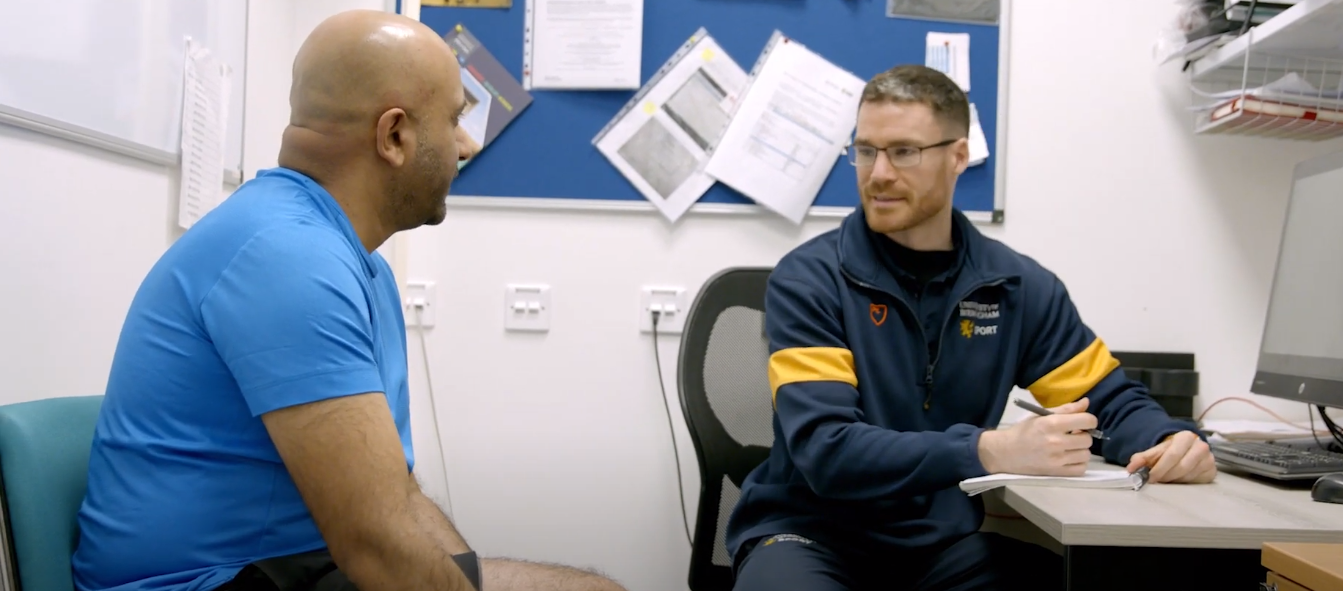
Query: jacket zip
(923, 337)
(932, 363)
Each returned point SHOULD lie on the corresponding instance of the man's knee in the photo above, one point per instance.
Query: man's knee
(791, 562)
(993, 561)
(504, 574)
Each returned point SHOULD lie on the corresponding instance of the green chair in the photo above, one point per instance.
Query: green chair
(44, 461)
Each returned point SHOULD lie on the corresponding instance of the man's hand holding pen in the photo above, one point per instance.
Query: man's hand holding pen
(1054, 444)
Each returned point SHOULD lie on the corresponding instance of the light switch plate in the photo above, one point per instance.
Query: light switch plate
(671, 300)
(527, 307)
(419, 291)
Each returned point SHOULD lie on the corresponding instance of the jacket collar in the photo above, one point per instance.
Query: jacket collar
(859, 258)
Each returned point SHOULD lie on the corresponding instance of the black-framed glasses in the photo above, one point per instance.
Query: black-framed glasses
(899, 156)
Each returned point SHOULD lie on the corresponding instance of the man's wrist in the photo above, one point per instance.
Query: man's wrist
(987, 448)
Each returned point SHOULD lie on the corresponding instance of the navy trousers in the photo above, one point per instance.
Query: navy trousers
(979, 562)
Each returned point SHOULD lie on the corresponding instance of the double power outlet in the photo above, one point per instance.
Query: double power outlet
(670, 302)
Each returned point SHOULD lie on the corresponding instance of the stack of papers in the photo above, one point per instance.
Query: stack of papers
(1115, 479)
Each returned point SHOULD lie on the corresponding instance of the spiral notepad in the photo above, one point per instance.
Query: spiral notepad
(1115, 479)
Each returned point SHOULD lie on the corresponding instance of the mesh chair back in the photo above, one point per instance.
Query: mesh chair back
(723, 382)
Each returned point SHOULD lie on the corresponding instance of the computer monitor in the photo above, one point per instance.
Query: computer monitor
(1301, 353)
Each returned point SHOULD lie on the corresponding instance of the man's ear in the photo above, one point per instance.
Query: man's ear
(961, 153)
(395, 137)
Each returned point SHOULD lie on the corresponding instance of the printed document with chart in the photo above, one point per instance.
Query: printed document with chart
(789, 130)
(662, 137)
(949, 53)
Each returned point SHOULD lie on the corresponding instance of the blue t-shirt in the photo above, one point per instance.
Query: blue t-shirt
(268, 301)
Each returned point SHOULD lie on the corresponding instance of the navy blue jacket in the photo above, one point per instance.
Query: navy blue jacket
(873, 429)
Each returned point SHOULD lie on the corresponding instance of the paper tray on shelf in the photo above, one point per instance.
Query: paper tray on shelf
(1272, 95)
(1251, 115)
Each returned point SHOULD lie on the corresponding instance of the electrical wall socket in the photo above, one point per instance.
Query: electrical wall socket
(419, 294)
(671, 301)
(527, 307)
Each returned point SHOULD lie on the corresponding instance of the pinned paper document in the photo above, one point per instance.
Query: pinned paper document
(493, 97)
(949, 53)
(661, 146)
(582, 45)
(963, 11)
(205, 86)
(979, 145)
(789, 129)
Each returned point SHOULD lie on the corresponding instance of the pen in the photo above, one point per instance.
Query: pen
(1096, 433)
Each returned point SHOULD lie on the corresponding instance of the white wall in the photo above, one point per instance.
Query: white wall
(84, 225)
(557, 443)
(82, 228)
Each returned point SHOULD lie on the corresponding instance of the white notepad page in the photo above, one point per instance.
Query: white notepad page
(1116, 479)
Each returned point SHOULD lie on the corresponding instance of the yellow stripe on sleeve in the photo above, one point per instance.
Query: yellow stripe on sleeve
(1076, 377)
(810, 364)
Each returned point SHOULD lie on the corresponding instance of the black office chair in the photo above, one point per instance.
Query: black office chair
(723, 380)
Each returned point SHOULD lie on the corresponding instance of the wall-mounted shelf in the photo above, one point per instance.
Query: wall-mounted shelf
(1311, 29)
(1283, 78)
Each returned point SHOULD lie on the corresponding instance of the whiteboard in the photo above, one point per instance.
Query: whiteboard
(109, 72)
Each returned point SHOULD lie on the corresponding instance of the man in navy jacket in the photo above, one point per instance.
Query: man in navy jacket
(895, 342)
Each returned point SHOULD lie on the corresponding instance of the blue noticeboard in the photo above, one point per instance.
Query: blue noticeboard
(547, 151)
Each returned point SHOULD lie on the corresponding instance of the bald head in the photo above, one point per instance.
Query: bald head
(374, 108)
(358, 64)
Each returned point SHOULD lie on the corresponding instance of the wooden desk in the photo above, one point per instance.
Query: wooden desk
(1211, 533)
(1304, 567)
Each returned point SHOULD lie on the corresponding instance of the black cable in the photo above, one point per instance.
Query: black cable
(680, 486)
(1335, 430)
(1329, 424)
(1313, 433)
(1328, 421)
(1245, 26)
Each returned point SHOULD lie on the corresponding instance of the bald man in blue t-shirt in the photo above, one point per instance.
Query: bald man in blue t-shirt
(256, 428)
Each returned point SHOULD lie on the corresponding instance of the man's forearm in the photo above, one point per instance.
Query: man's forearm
(1132, 420)
(438, 524)
(414, 552)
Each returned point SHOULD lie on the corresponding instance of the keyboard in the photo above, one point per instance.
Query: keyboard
(1277, 461)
